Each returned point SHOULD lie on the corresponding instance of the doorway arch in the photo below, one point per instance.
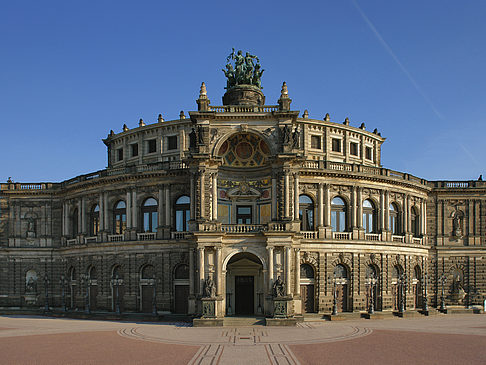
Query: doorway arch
(244, 284)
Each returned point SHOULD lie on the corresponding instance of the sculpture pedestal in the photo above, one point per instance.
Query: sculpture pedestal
(283, 314)
(244, 95)
(209, 317)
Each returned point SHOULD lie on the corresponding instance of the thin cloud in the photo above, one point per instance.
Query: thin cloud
(395, 58)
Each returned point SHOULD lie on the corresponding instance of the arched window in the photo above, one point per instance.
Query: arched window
(369, 216)
(148, 272)
(394, 219)
(371, 272)
(306, 213)
(414, 222)
(149, 215)
(182, 213)
(396, 272)
(120, 217)
(75, 222)
(117, 272)
(338, 215)
(93, 274)
(72, 273)
(181, 272)
(94, 220)
(306, 271)
(340, 272)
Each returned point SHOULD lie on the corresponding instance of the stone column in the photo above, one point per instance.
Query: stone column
(297, 271)
(201, 269)
(134, 210)
(387, 210)
(167, 205)
(360, 207)
(214, 215)
(406, 214)
(191, 193)
(286, 196)
(101, 205)
(191, 272)
(274, 198)
(64, 219)
(270, 268)
(287, 270)
(80, 216)
(382, 211)
(160, 210)
(423, 217)
(320, 206)
(327, 207)
(129, 209)
(219, 275)
(353, 207)
(105, 208)
(83, 215)
(296, 197)
(202, 196)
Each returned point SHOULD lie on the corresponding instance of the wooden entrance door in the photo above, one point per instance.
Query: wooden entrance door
(417, 294)
(121, 293)
(396, 296)
(342, 297)
(244, 295)
(181, 299)
(93, 292)
(307, 294)
(147, 295)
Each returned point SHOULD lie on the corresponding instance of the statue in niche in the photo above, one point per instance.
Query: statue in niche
(209, 288)
(286, 135)
(192, 138)
(296, 138)
(457, 219)
(200, 136)
(278, 288)
(30, 227)
(31, 286)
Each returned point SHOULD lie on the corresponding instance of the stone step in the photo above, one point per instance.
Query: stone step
(343, 316)
(243, 321)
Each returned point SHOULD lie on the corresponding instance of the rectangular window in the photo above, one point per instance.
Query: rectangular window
(336, 145)
(369, 153)
(134, 149)
(172, 143)
(353, 149)
(243, 214)
(151, 146)
(316, 142)
(119, 154)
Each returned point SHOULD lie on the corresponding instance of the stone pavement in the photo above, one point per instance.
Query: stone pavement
(459, 339)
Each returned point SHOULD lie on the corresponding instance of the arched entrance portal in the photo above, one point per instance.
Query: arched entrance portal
(244, 285)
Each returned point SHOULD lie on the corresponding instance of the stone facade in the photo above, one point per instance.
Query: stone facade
(242, 194)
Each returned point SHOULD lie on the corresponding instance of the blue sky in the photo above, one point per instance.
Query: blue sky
(71, 71)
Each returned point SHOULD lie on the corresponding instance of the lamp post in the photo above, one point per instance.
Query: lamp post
(153, 282)
(425, 305)
(46, 288)
(372, 285)
(86, 280)
(442, 280)
(401, 286)
(116, 282)
(62, 283)
(334, 295)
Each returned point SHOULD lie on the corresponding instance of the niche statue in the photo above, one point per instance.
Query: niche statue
(278, 288)
(209, 288)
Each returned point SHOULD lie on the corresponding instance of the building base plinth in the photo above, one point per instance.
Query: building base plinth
(207, 322)
(286, 322)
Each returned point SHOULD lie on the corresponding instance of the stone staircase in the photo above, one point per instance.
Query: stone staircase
(243, 321)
